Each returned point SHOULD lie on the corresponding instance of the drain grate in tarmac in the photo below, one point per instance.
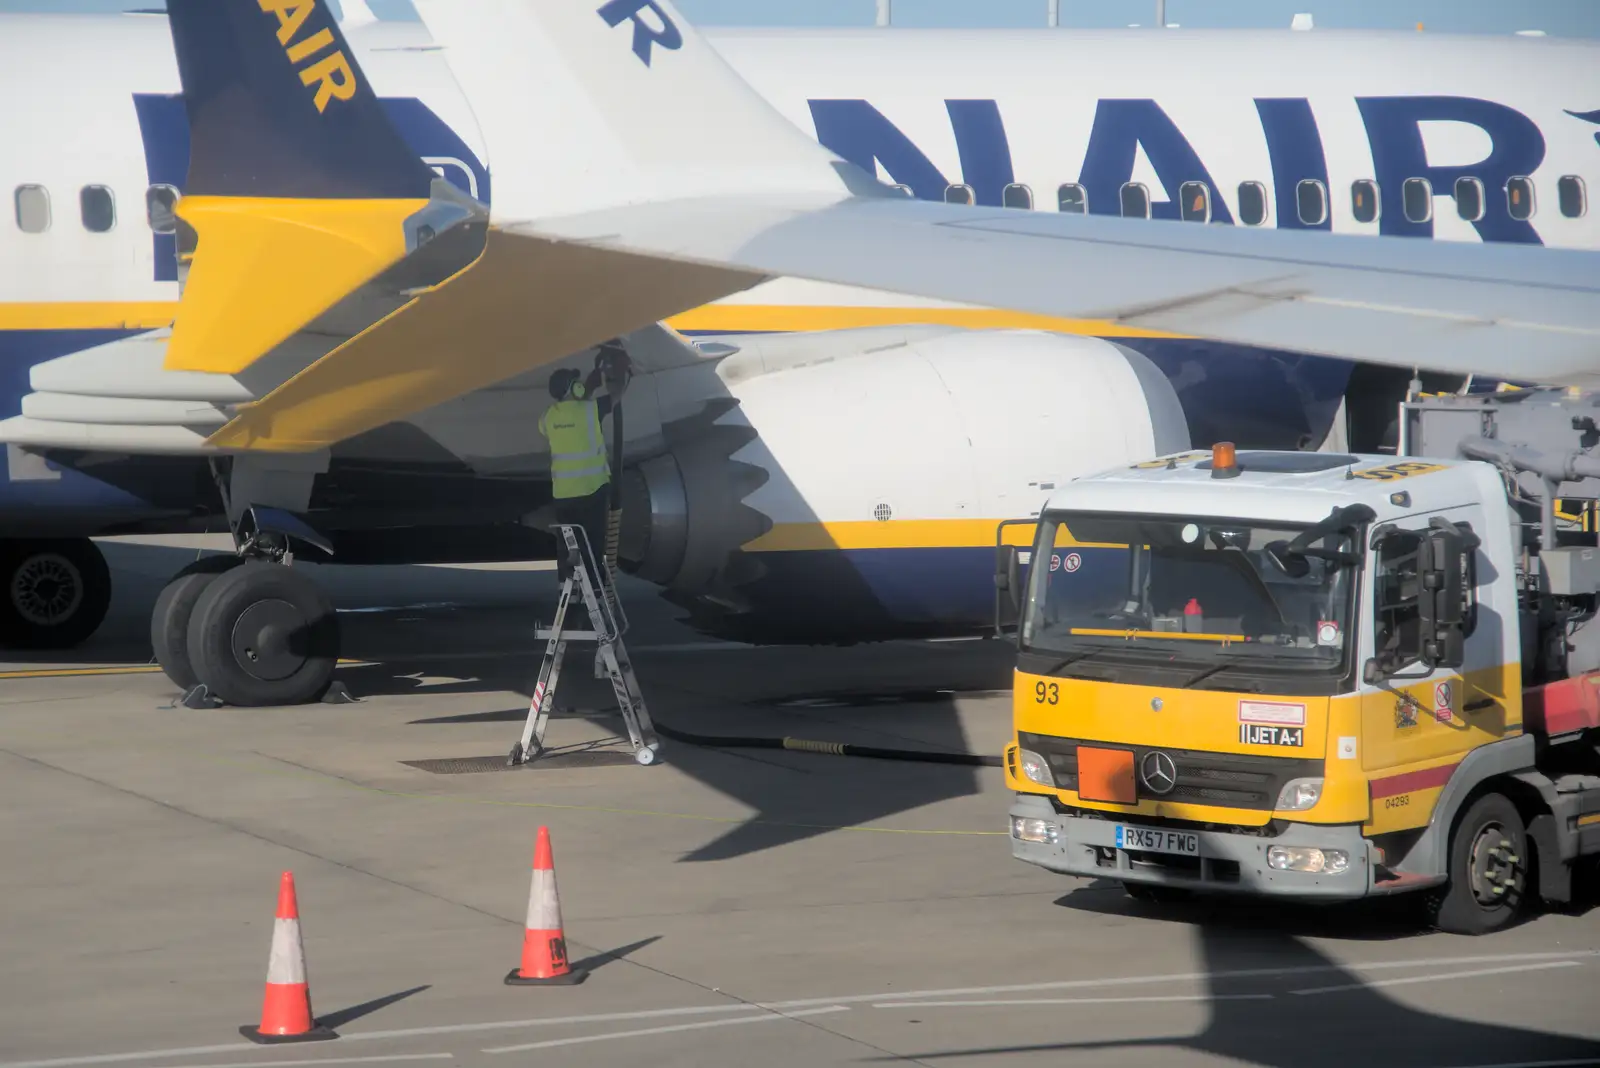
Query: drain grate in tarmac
(604, 758)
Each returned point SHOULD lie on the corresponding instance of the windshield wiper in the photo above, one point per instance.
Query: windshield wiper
(1069, 661)
(1204, 673)
(1207, 672)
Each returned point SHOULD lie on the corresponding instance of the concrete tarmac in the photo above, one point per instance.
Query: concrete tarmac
(736, 907)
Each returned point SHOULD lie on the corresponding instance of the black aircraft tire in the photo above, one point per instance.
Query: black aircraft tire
(54, 593)
(169, 619)
(1488, 870)
(263, 634)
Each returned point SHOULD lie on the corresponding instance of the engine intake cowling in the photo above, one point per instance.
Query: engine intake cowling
(849, 484)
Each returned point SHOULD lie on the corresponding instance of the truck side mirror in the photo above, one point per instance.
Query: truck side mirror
(1008, 581)
(1007, 588)
(1442, 600)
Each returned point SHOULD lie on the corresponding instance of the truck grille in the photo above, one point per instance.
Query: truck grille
(1231, 780)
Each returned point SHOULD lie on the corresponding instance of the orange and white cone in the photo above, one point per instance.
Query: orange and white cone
(544, 943)
(286, 1008)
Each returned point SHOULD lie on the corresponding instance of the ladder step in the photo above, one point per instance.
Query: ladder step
(545, 633)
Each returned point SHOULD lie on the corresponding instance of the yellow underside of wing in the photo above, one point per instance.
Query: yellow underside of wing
(265, 267)
(524, 303)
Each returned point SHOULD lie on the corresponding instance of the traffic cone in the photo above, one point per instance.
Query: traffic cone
(286, 1008)
(544, 944)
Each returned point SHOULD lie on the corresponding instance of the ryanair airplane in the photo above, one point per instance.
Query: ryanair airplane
(832, 414)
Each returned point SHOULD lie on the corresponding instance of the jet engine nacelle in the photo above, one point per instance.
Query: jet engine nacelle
(849, 485)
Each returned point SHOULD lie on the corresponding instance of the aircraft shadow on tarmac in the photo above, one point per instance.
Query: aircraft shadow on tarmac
(1339, 1019)
(438, 631)
(795, 796)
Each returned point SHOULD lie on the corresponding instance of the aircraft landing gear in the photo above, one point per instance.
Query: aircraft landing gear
(251, 631)
(247, 629)
(263, 634)
(169, 620)
(53, 592)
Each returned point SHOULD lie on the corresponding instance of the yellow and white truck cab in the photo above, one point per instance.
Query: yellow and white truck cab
(1313, 675)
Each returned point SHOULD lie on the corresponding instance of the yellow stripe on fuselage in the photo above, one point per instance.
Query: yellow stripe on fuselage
(730, 318)
(799, 318)
(893, 534)
(87, 315)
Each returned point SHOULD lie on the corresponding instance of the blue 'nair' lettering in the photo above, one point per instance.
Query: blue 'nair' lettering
(1121, 128)
(1294, 145)
(1394, 127)
(645, 36)
(860, 133)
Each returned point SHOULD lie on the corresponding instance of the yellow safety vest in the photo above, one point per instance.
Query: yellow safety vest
(577, 448)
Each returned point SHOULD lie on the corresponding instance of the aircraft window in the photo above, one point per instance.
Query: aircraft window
(159, 204)
(1252, 203)
(33, 209)
(1417, 195)
(1311, 202)
(1519, 198)
(1469, 199)
(1072, 198)
(1364, 200)
(1196, 197)
(958, 194)
(1017, 196)
(1135, 201)
(1572, 196)
(98, 208)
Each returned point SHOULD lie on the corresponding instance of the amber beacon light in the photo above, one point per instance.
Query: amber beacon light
(1224, 463)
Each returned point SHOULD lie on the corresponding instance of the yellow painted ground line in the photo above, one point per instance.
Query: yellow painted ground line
(121, 669)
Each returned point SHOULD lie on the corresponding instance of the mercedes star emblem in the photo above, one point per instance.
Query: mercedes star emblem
(1159, 773)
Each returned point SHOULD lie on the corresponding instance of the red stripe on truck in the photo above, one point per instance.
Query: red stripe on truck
(1425, 779)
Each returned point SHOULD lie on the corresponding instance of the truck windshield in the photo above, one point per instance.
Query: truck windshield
(1172, 594)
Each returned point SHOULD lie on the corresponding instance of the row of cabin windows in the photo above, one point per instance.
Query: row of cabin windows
(1311, 199)
(97, 208)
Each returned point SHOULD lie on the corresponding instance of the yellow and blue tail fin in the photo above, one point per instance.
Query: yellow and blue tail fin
(299, 189)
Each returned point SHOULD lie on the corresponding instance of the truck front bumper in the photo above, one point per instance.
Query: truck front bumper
(1227, 862)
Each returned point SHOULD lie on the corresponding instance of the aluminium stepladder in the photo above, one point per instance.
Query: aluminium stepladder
(609, 622)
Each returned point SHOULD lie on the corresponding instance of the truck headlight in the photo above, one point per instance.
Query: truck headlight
(1308, 859)
(1298, 795)
(1035, 768)
(1031, 829)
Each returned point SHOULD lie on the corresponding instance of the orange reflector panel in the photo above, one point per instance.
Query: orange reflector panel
(1106, 775)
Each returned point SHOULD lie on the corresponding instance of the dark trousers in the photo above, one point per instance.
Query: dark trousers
(591, 513)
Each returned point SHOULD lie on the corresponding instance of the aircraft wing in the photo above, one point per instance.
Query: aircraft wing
(763, 202)
(336, 286)
(1501, 310)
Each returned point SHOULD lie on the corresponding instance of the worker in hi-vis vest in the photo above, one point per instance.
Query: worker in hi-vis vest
(580, 471)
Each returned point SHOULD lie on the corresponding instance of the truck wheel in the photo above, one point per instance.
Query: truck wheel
(1488, 870)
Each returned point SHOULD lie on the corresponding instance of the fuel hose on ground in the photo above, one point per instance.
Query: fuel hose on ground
(804, 745)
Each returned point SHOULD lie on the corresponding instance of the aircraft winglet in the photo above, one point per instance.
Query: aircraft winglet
(299, 188)
(585, 103)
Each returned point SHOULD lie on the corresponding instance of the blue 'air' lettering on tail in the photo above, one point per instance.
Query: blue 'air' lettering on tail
(278, 107)
(332, 74)
(645, 36)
